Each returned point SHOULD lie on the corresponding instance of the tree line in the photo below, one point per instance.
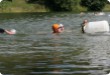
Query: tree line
(69, 5)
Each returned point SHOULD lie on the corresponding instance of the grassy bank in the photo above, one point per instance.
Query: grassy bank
(19, 6)
(8, 7)
(107, 8)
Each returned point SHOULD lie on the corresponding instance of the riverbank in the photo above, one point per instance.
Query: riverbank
(10, 7)
(107, 8)
(15, 7)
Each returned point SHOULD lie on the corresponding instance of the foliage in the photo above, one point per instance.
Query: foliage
(7, 0)
(94, 5)
(57, 5)
(71, 5)
(36, 1)
(54, 5)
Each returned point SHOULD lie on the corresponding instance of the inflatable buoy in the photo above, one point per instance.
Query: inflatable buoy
(108, 74)
(97, 26)
(0, 0)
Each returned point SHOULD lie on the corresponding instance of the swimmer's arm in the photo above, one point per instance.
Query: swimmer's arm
(8, 32)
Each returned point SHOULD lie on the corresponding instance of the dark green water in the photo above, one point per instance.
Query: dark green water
(34, 50)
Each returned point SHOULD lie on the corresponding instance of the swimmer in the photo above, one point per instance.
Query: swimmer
(10, 32)
(85, 22)
(61, 28)
(57, 28)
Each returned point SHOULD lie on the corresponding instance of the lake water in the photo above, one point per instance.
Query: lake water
(34, 50)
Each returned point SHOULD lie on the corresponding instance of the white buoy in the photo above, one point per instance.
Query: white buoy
(0, 0)
(108, 74)
(1, 74)
(109, 0)
(97, 26)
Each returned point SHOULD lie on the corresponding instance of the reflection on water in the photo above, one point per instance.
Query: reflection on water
(34, 50)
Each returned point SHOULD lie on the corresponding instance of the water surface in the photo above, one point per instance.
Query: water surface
(34, 50)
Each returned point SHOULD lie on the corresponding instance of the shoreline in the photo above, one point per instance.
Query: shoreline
(7, 7)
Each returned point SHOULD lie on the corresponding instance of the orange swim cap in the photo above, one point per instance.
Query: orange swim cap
(55, 26)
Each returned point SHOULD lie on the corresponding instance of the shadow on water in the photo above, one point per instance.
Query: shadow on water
(34, 50)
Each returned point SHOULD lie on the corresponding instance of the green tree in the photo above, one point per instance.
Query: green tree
(35, 1)
(60, 5)
(94, 5)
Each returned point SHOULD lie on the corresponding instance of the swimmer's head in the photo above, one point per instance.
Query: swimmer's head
(85, 21)
(55, 28)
